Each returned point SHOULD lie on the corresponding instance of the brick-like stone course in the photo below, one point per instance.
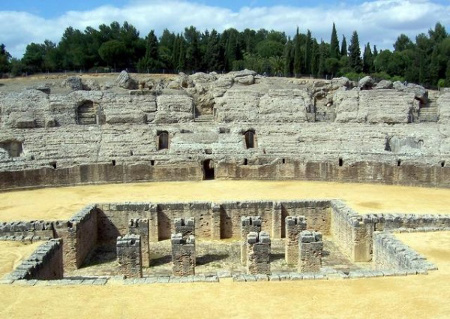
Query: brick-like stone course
(258, 253)
(129, 256)
(294, 226)
(183, 255)
(310, 251)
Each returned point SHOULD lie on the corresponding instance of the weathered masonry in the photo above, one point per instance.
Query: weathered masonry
(131, 230)
(231, 126)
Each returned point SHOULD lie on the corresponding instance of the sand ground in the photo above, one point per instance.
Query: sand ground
(63, 202)
(399, 297)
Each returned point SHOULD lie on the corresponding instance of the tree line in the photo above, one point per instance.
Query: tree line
(426, 60)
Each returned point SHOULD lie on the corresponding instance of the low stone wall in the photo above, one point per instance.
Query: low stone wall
(395, 222)
(129, 256)
(102, 173)
(46, 263)
(79, 235)
(26, 230)
(391, 253)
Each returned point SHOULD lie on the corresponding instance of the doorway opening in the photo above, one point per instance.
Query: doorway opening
(208, 169)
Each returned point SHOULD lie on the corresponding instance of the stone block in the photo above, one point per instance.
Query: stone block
(310, 251)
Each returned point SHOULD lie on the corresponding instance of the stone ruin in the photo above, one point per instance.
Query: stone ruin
(231, 126)
(223, 126)
(207, 245)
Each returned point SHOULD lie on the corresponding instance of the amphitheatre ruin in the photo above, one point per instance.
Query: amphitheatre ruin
(236, 193)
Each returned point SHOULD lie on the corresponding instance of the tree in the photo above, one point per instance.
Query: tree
(344, 46)
(5, 58)
(367, 59)
(288, 58)
(269, 48)
(113, 52)
(308, 52)
(297, 55)
(354, 52)
(403, 43)
(334, 44)
(213, 58)
(150, 62)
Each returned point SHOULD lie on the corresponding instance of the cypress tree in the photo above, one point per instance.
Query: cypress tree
(308, 52)
(367, 59)
(288, 60)
(315, 58)
(375, 52)
(354, 52)
(297, 55)
(322, 57)
(344, 46)
(334, 44)
(182, 56)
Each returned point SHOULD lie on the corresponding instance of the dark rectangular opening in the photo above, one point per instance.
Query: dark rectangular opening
(152, 162)
(208, 169)
(341, 162)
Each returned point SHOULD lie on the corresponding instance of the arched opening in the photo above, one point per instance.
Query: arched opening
(249, 137)
(163, 140)
(442, 163)
(208, 169)
(87, 113)
(399, 162)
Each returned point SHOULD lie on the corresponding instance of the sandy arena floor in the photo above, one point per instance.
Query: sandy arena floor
(399, 297)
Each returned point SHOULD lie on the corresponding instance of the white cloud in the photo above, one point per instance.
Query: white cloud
(379, 22)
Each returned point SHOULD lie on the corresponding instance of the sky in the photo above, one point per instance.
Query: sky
(379, 22)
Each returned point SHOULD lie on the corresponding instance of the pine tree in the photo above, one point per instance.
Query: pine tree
(334, 44)
(367, 59)
(354, 52)
(344, 46)
(297, 55)
(150, 62)
(182, 56)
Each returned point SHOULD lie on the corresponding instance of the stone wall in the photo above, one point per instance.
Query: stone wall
(351, 232)
(391, 253)
(46, 263)
(79, 236)
(294, 226)
(258, 253)
(183, 255)
(24, 230)
(140, 227)
(129, 257)
(310, 251)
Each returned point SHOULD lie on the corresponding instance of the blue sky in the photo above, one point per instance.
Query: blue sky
(377, 21)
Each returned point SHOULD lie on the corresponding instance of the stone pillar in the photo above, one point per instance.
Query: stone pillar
(258, 252)
(141, 227)
(215, 221)
(294, 226)
(129, 256)
(183, 255)
(248, 224)
(310, 251)
(185, 226)
(276, 220)
(67, 231)
(153, 224)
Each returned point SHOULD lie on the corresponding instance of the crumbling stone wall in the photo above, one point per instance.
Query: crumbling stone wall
(185, 226)
(79, 236)
(310, 251)
(140, 227)
(183, 255)
(248, 224)
(46, 263)
(391, 253)
(294, 226)
(129, 255)
(258, 253)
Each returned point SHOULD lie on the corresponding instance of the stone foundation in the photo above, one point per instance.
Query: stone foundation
(183, 255)
(294, 226)
(129, 256)
(310, 251)
(258, 253)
